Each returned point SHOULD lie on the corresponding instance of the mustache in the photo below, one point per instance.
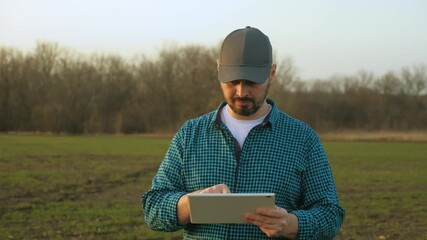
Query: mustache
(243, 99)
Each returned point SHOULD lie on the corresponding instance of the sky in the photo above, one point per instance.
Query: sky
(322, 37)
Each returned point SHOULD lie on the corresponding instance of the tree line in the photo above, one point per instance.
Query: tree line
(53, 89)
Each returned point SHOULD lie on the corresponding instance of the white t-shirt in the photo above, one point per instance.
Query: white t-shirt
(239, 128)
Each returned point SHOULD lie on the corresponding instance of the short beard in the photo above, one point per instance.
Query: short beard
(248, 111)
(244, 111)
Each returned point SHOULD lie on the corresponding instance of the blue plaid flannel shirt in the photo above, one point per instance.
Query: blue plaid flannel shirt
(282, 155)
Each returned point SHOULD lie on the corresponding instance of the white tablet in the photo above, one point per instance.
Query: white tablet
(228, 207)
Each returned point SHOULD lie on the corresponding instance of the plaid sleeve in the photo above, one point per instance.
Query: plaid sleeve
(160, 202)
(320, 216)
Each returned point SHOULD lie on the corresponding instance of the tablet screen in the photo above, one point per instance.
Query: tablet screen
(226, 208)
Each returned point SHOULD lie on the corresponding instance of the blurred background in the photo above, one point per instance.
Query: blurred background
(147, 66)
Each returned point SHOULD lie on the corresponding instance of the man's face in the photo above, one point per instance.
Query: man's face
(244, 97)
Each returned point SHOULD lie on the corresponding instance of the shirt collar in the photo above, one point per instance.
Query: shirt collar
(268, 121)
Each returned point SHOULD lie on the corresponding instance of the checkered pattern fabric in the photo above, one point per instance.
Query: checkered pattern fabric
(282, 155)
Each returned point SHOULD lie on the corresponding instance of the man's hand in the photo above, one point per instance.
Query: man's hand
(184, 208)
(220, 188)
(275, 222)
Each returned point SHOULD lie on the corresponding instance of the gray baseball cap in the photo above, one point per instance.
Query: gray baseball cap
(246, 54)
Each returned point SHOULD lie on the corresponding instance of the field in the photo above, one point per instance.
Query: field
(89, 187)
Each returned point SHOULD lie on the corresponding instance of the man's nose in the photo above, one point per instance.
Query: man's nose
(241, 89)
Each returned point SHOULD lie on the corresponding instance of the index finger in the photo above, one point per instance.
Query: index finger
(219, 188)
(276, 212)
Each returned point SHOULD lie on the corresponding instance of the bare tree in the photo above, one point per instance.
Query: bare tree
(53, 90)
(389, 84)
(415, 81)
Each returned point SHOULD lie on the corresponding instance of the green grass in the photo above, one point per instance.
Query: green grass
(76, 187)
(383, 187)
(89, 187)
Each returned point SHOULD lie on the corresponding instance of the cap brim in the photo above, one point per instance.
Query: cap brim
(253, 74)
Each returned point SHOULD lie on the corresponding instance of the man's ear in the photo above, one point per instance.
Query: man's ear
(273, 72)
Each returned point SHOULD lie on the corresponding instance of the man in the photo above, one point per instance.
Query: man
(247, 146)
